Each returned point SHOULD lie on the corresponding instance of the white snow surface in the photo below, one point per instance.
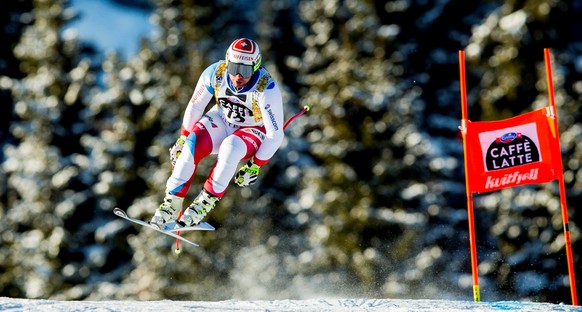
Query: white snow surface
(396, 305)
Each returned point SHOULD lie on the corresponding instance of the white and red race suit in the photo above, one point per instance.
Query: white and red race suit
(243, 124)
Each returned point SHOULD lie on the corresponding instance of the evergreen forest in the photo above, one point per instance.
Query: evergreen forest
(366, 196)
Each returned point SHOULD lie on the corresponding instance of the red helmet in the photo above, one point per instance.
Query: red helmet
(243, 57)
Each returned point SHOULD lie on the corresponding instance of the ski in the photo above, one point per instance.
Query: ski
(169, 228)
(175, 227)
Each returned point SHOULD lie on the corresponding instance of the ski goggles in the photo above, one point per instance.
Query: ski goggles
(237, 68)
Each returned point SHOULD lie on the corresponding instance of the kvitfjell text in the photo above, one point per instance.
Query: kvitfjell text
(514, 178)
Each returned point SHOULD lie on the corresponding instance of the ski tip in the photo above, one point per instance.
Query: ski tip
(119, 212)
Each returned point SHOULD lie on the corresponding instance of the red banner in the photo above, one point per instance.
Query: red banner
(511, 152)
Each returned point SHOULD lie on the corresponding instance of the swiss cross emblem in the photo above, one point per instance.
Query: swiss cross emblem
(244, 45)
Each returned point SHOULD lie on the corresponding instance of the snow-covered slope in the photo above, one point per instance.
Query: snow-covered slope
(9, 304)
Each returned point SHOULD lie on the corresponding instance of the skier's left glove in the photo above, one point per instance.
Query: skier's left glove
(247, 174)
(176, 150)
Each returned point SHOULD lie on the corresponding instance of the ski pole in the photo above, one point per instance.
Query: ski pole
(305, 109)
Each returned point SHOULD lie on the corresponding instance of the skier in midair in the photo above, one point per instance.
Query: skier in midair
(246, 124)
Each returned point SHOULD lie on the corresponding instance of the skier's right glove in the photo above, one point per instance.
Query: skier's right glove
(176, 150)
(247, 174)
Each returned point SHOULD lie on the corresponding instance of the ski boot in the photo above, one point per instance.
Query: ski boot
(203, 203)
(168, 211)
